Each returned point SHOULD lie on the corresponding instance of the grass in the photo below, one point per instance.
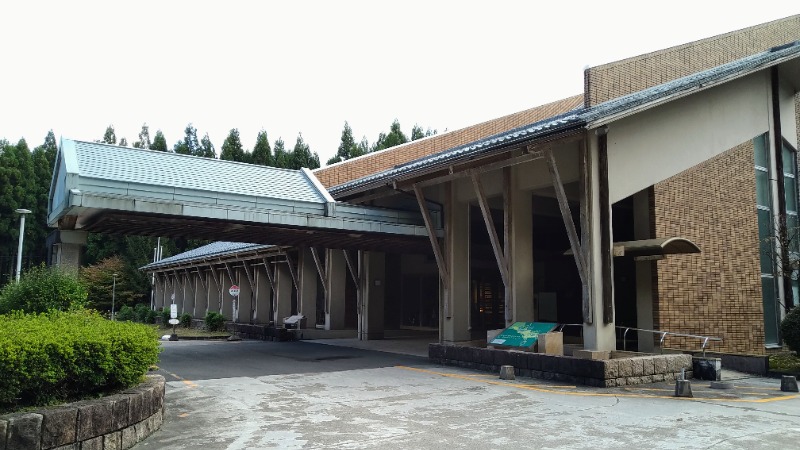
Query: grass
(785, 363)
(190, 332)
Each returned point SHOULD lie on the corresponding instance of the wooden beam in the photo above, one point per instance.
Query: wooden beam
(322, 275)
(230, 273)
(437, 249)
(585, 182)
(457, 172)
(566, 214)
(507, 193)
(499, 254)
(202, 278)
(250, 278)
(216, 278)
(353, 273)
(270, 276)
(292, 272)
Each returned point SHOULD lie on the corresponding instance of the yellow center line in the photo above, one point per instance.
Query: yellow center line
(549, 389)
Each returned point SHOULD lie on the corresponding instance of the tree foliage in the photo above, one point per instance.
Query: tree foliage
(232, 149)
(159, 142)
(262, 153)
(790, 330)
(110, 137)
(99, 280)
(189, 145)
(144, 138)
(207, 149)
(43, 289)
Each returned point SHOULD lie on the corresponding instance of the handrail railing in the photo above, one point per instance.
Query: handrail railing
(664, 334)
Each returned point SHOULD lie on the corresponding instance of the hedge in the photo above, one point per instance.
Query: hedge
(42, 289)
(790, 328)
(63, 356)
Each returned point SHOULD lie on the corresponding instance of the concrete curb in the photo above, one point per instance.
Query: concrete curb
(117, 421)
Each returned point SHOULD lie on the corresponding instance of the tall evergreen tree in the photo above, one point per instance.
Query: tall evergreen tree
(417, 133)
(232, 149)
(189, 145)
(207, 149)
(144, 137)
(123, 142)
(159, 142)
(302, 155)
(17, 190)
(110, 137)
(281, 158)
(262, 153)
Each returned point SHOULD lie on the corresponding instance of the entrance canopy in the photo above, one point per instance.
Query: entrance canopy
(121, 190)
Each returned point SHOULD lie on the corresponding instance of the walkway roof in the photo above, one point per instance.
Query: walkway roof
(122, 190)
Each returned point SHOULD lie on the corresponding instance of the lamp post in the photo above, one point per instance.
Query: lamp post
(21, 213)
(113, 296)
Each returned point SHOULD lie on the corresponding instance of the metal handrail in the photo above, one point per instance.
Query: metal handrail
(664, 334)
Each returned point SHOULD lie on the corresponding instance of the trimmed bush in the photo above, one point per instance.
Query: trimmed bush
(186, 320)
(126, 314)
(165, 316)
(215, 321)
(63, 356)
(42, 289)
(790, 329)
(144, 314)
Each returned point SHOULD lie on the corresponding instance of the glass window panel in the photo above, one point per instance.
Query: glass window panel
(793, 232)
(762, 188)
(760, 150)
(795, 289)
(789, 163)
(790, 190)
(765, 243)
(768, 297)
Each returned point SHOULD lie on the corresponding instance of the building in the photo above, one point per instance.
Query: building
(649, 201)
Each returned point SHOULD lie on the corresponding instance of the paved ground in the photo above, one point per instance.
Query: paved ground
(253, 394)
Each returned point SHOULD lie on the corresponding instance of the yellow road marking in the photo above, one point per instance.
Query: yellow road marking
(191, 384)
(549, 390)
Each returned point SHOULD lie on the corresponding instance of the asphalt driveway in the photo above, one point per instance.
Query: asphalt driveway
(253, 394)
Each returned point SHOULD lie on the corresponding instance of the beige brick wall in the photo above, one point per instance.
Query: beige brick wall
(379, 161)
(717, 292)
(608, 81)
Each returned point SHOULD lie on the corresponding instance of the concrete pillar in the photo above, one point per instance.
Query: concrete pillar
(455, 321)
(336, 268)
(179, 291)
(373, 283)
(599, 335)
(68, 248)
(644, 273)
(245, 300)
(284, 285)
(263, 295)
(307, 278)
(215, 286)
(520, 251)
(158, 293)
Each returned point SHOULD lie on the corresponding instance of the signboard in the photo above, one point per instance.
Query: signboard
(522, 334)
(173, 311)
(174, 321)
(234, 291)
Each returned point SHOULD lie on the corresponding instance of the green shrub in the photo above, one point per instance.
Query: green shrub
(63, 356)
(142, 312)
(186, 320)
(41, 289)
(215, 321)
(165, 316)
(790, 329)
(126, 314)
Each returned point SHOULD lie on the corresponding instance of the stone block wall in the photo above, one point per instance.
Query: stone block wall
(114, 422)
(622, 371)
(718, 291)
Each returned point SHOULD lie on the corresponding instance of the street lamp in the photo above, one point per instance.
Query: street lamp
(21, 213)
(113, 296)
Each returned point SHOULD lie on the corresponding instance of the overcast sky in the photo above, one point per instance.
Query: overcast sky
(307, 66)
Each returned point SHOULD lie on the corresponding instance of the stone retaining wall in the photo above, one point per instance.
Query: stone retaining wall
(114, 422)
(621, 370)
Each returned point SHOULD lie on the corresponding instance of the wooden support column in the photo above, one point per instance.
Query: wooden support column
(219, 285)
(566, 214)
(273, 289)
(605, 228)
(437, 249)
(584, 184)
(355, 274)
(497, 248)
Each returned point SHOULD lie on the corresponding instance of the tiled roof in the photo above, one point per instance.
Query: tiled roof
(576, 119)
(207, 251)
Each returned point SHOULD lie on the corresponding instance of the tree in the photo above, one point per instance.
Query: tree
(302, 155)
(281, 158)
(262, 153)
(144, 138)
(18, 187)
(417, 133)
(232, 149)
(110, 137)
(99, 279)
(159, 142)
(189, 145)
(207, 149)
(123, 142)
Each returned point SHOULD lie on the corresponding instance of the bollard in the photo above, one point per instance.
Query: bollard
(788, 383)
(683, 388)
(507, 373)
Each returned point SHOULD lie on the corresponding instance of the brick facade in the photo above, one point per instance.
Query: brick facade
(608, 81)
(716, 292)
(379, 161)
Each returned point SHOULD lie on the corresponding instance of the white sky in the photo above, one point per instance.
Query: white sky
(307, 66)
